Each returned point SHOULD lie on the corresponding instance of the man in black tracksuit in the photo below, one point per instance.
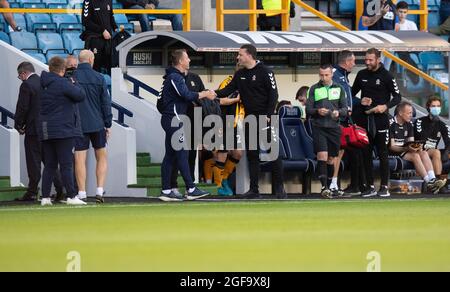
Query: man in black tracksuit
(380, 92)
(432, 129)
(99, 24)
(259, 94)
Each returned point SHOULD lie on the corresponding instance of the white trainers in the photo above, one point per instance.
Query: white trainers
(75, 202)
(46, 202)
(81, 197)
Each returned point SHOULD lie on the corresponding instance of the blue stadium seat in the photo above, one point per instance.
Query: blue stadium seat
(72, 42)
(24, 40)
(52, 54)
(20, 21)
(23, 2)
(294, 137)
(393, 164)
(4, 37)
(346, 6)
(76, 3)
(432, 61)
(66, 21)
(34, 5)
(50, 41)
(57, 6)
(60, 2)
(37, 21)
(38, 56)
(120, 18)
(3, 24)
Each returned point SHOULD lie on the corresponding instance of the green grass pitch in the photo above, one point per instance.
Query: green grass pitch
(408, 235)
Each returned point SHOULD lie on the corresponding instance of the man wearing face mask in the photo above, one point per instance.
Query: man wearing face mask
(430, 129)
(71, 65)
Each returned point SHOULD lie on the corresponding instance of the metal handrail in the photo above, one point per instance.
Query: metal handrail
(386, 53)
(5, 114)
(137, 84)
(122, 112)
(185, 11)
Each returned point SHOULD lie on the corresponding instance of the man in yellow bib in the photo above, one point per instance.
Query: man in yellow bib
(272, 21)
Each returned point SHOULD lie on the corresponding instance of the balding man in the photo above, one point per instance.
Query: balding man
(96, 121)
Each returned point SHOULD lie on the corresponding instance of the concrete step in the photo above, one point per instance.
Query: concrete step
(4, 182)
(9, 194)
(149, 171)
(142, 161)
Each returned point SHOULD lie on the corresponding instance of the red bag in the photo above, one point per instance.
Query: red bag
(354, 136)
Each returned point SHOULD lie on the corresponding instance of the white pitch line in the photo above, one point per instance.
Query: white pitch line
(217, 202)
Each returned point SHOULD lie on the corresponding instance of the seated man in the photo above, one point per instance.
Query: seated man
(401, 131)
(175, 19)
(430, 129)
(9, 17)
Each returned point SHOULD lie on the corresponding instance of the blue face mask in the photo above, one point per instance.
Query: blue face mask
(435, 111)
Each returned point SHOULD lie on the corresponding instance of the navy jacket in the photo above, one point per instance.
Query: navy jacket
(27, 109)
(59, 117)
(175, 94)
(95, 109)
(340, 76)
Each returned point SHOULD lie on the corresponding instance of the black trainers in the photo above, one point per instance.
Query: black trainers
(172, 197)
(370, 192)
(196, 194)
(435, 185)
(337, 192)
(384, 192)
(280, 192)
(252, 194)
(99, 199)
(18, 28)
(352, 191)
(326, 193)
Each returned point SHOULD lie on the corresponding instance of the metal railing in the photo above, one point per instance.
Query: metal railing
(137, 85)
(4, 115)
(422, 12)
(386, 53)
(253, 13)
(121, 114)
(185, 11)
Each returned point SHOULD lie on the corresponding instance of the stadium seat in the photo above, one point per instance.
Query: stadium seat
(50, 41)
(34, 5)
(346, 7)
(4, 37)
(38, 56)
(66, 22)
(72, 42)
(24, 40)
(39, 22)
(292, 134)
(23, 2)
(393, 164)
(432, 61)
(52, 54)
(57, 6)
(20, 21)
(58, 2)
